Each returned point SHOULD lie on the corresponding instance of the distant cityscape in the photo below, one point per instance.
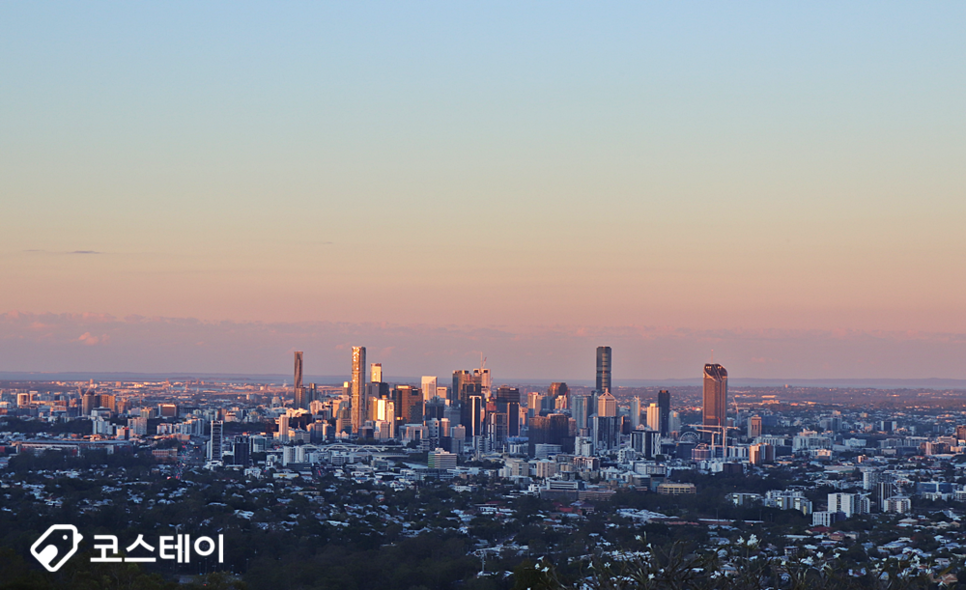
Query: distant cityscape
(829, 456)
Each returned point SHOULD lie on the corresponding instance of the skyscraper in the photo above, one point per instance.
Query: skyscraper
(215, 450)
(754, 426)
(300, 399)
(581, 410)
(508, 402)
(654, 418)
(408, 404)
(375, 374)
(358, 387)
(558, 390)
(603, 368)
(607, 406)
(635, 413)
(664, 407)
(715, 407)
(466, 385)
(429, 385)
(298, 369)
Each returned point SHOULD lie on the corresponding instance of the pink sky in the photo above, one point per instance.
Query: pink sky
(66, 342)
(783, 184)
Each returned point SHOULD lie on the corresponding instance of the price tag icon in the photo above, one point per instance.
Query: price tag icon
(56, 546)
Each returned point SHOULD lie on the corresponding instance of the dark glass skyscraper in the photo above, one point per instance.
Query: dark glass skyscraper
(664, 410)
(715, 406)
(603, 368)
(508, 402)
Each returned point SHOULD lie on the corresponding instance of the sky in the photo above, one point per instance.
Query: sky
(780, 182)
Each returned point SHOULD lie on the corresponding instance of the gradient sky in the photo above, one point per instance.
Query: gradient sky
(795, 170)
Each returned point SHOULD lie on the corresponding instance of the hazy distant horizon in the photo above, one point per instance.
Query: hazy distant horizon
(334, 380)
(101, 343)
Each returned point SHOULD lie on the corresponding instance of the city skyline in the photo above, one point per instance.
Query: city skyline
(441, 296)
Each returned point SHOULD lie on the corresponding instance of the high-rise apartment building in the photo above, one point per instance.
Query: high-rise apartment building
(429, 385)
(664, 407)
(603, 368)
(580, 407)
(715, 406)
(654, 418)
(754, 427)
(298, 369)
(216, 443)
(359, 412)
(635, 413)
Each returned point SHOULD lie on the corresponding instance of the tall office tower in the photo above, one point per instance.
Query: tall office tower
(298, 369)
(674, 422)
(603, 368)
(343, 421)
(434, 409)
(715, 407)
(554, 430)
(581, 410)
(654, 418)
(664, 406)
(646, 442)
(497, 428)
(558, 390)
(605, 431)
(486, 381)
(359, 412)
(429, 386)
(508, 402)
(242, 448)
(283, 428)
(754, 427)
(408, 404)
(465, 385)
(606, 406)
(474, 408)
(375, 373)
(635, 413)
(301, 399)
(215, 450)
(534, 404)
